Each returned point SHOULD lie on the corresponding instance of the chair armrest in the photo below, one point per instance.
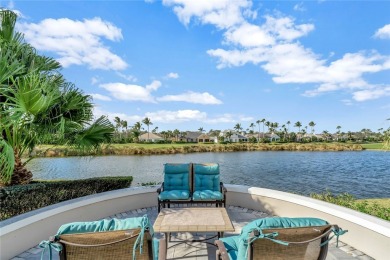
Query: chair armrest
(222, 252)
(223, 188)
(161, 188)
(162, 249)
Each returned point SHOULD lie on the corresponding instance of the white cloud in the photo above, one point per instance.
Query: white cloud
(130, 78)
(284, 28)
(373, 93)
(274, 46)
(299, 7)
(129, 92)
(165, 116)
(248, 35)
(192, 97)
(221, 13)
(76, 42)
(95, 80)
(172, 75)
(175, 117)
(100, 97)
(383, 33)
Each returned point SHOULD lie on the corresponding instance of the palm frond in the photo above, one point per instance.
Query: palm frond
(7, 161)
(97, 133)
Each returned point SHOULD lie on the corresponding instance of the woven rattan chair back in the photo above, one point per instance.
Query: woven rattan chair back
(116, 245)
(298, 248)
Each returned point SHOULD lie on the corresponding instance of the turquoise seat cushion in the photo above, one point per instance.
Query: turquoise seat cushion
(267, 223)
(206, 177)
(156, 244)
(231, 245)
(207, 195)
(176, 176)
(106, 225)
(174, 195)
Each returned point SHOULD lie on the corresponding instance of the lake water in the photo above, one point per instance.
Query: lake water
(365, 174)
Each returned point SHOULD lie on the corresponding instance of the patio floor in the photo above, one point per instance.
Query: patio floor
(200, 251)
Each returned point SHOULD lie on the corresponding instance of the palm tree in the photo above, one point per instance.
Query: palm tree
(229, 134)
(338, 132)
(147, 122)
(176, 133)
(238, 128)
(118, 124)
(37, 105)
(258, 136)
(155, 130)
(201, 129)
(268, 124)
(252, 125)
(124, 125)
(288, 130)
(312, 125)
(263, 120)
(299, 125)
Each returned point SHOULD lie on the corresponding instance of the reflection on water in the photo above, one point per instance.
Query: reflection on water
(365, 174)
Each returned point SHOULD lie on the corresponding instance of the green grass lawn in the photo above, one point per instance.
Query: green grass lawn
(381, 202)
(373, 146)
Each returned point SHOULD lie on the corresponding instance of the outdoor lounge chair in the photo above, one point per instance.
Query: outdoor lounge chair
(130, 238)
(207, 185)
(176, 187)
(279, 238)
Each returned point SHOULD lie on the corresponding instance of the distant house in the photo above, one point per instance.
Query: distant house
(190, 137)
(204, 138)
(236, 138)
(151, 138)
(272, 137)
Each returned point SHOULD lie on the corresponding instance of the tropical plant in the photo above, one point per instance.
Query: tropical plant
(37, 105)
(124, 125)
(238, 128)
(201, 129)
(147, 122)
(229, 134)
(258, 124)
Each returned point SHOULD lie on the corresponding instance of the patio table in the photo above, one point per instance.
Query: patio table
(204, 220)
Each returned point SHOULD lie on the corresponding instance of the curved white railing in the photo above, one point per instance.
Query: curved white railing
(369, 234)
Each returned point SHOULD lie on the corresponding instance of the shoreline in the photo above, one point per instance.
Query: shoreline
(157, 149)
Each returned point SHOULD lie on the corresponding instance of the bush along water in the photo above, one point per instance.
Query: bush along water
(349, 201)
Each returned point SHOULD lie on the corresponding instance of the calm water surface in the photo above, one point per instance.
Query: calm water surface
(365, 174)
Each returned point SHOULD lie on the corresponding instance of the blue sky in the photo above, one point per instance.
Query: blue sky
(212, 64)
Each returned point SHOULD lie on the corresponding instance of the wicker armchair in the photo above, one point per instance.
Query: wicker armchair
(296, 241)
(112, 239)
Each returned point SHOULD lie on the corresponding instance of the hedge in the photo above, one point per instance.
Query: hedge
(19, 199)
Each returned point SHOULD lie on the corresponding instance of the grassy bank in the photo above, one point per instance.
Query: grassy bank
(373, 146)
(149, 149)
(376, 207)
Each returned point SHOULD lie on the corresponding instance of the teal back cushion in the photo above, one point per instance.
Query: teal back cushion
(206, 177)
(106, 225)
(176, 176)
(275, 222)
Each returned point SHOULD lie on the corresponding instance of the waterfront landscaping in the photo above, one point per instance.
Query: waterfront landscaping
(176, 148)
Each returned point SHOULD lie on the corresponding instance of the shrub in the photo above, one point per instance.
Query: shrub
(15, 200)
(348, 201)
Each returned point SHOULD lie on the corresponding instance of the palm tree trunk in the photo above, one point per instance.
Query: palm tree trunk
(21, 175)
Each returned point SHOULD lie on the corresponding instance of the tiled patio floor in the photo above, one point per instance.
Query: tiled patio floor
(201, 251)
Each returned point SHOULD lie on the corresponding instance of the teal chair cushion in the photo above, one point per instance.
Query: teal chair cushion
(106, 225)
(207, 195)
(174, 195)
(156, 244)
(206, 177)
(240, 242)
(231, 245)
(176, 177)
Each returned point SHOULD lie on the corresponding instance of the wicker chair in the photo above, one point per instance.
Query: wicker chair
(136, 243)
(300, 242)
